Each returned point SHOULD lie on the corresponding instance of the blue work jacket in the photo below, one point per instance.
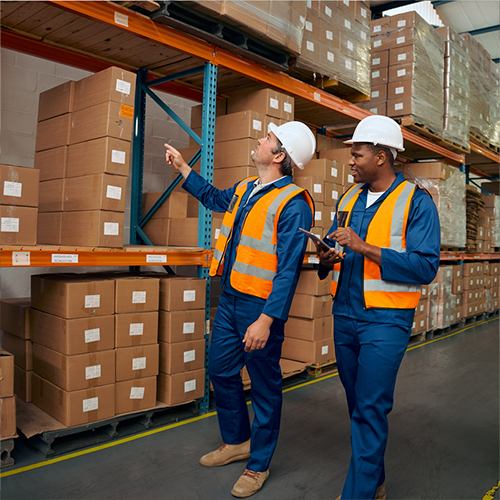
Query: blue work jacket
(291, 245)
(419, 264)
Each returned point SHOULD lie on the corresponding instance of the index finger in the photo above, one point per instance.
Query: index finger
(170, 148)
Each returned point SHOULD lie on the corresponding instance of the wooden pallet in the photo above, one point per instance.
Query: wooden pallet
(445, 249)
(320, 368)
(484, 141)
(477, 318)
(6, 447)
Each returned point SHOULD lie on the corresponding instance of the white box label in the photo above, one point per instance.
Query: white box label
(398, 106)
(350, 45)
(90, 404)
(114, 192)
(347, 24)
(64, 258)
(377, 29)
(363, 36)
(330, 56)
(309, 26)
(400, 90)
(189, 295)
(317, 215)
(189, 356)
(121, 19)
(137, 392)
(363, 13)
(335, 172)
(328, 11)
(136, 329)
(118, 156)
(161, 259)
(348, 64)
(138, 297)
(92, 301)
(190, 385)
(400, 39)
(329, 35)
(313, 259)
(217, 232)
(257, 125)
(10, 225)
(401, 72)
(12, 189)
(402, 23)
(375, 94)
(377, 43)
(188, 327)
(335, 195)
(93, 335)
(376, 61)
(374, 111)
(139, 363)
(310, 46)
(317, 188)
(92, 372)
(122, 86)
(20, 258)
(111, 228)
(401, 57)
(324, 350)
(273, 103)
(287, 107)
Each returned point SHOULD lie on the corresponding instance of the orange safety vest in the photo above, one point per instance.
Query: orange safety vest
(387, 229)
(256, 262)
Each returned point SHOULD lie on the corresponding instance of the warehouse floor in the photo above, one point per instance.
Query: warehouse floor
(443, 444)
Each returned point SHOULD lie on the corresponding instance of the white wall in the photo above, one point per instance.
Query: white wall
(23, 77)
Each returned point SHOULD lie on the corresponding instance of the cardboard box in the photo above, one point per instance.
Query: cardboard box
(76, 407)
(106, 119)
(51, 196)
(56, 101)
(53, 133)
(137, 362)
(309, 306)
(333, 192)
(378, 93)
(73, 336)
(49, 228)
(402, 38)
(135, 329)
(430, 170)
(457, 286)
(315, 352)
(320, 218)
(135, 294)
(404, 20)
(399, 90)
(182, 356)
(174, 207)
(380, 76)
(180, 293)
(95, 228)
(197, 111)
(157, 230)
(468, 269)
(8, 417)
(380, 59)
(20, 348)
(401, 55)
(287, 104)
(226, 178)
(23, 384)
(347, 178)
(380, 43)
(95, 192)
(52, 163)
(181, 326)
(112, 84)
(135, 395)
(315, 186)
(266, 102)
(400, 72)
(236, 153)
(241, 125)
(18, 225)
(310, 329)
(181, 387)
(76, 372)
(72, 296)
(19, 186)
(377, 108)
(422, 308)
(15, 316)
(309, 283)
(184, 232)
(6, 373)
(325, 169)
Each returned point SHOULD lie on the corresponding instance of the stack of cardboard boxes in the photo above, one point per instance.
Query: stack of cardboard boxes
(309, 329)
(82, 151)
(446, 300)
(18, 205)
(379, 73)
(491, 285)
(473, 284)
(15, 323)
(489, 223)
(7, 398)
(182, 342)
(420, 321)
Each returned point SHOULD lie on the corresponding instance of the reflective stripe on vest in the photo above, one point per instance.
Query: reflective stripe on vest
(256, 261)
(387, 229)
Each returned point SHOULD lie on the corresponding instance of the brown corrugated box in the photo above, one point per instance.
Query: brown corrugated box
(21, 349)
(404, 20)
(135, 395)
(309, 283)
(315, 186)
(51, 196)
(182, 356)
(15, 316)
(400, 72)
(72, 296)
(398, 90)
(105, 119)
(399, 107)
(240, 125)
(23, 383)
(332, 193)
(181, 387)
(135, 293)
(77, 407)
(56, 101)
(52, 163)
(226, 178)
(380, 75)
(317, 351)
(401, 55)
(49, 228)
(266, 102)
(236, 153)
(53, 133)
(18, 225)
(96, 228)
(174, 207)
(181, 326)
(430, 170)
(326, 169)
(309, 306)
(157, 230)
(319, 215)
(380, 59)
(377, 108)
(184, 232)
(95, 192)
(137, 362)
(347, 178)
(136, 329)
(6, 374)
(8, 417)
(378, 93)
(73, 336)
(19, 186)
(75, 372)
(401, 38)
(112, 84)
(180, 293)
(309, 329)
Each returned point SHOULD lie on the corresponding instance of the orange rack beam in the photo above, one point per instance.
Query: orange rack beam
(487, 153)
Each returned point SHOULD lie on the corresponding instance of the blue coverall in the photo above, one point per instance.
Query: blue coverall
(237, 311)
(370, 343)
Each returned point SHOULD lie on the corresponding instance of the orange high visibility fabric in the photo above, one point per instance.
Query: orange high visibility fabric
(379, 234)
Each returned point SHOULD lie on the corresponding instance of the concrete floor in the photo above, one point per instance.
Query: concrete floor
(443, 443)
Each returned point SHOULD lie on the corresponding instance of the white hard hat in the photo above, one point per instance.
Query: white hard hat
(297, 139)
(378, 130)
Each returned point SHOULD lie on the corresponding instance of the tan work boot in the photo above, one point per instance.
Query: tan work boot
(249, 483)
(381, 493)
(226, 454)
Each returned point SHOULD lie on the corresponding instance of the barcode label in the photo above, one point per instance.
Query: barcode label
(93, 335)
(10, 225)
(139, 363)
(92, 372)
(190, 385)
(111, 228)
(92, 301)
(189, 295)
(90, 404)
(136, 329)
(137, 392)
(188, 327)
(118, 156)
(123, 86)
(12, 189)
(114, 192)
(138, 297)
(189, 356)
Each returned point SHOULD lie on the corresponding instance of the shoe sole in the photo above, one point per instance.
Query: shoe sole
(245, 496)
(229, 460)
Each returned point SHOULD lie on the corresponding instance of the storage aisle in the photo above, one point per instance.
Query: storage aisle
(443, 443)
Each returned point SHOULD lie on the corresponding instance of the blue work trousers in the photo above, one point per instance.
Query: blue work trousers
(368, 359)
(227, 357)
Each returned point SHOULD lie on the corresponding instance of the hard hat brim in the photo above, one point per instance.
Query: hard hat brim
(350, 141)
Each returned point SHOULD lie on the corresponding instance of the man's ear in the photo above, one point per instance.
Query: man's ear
(381, 157)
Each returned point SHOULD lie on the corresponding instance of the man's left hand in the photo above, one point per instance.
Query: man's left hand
(257, 333)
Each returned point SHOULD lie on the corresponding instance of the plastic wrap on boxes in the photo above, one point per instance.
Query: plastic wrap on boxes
(449, 197)
(488, 300)
(433, 301)
(336, 43)
(445, 305)
(494, 103)
(456, 88)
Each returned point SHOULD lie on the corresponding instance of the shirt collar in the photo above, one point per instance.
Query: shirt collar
(279, 182)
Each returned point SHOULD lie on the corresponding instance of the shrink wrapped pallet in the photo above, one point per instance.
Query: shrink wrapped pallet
(494, 101)
(456, 88)
(491, 208)
(433, 301)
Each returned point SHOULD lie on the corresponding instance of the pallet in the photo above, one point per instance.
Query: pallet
(484, 141)
(445, 249)
(6, 447)
(320, 368)
(492, 314)
(416, 338)
(477, 318)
